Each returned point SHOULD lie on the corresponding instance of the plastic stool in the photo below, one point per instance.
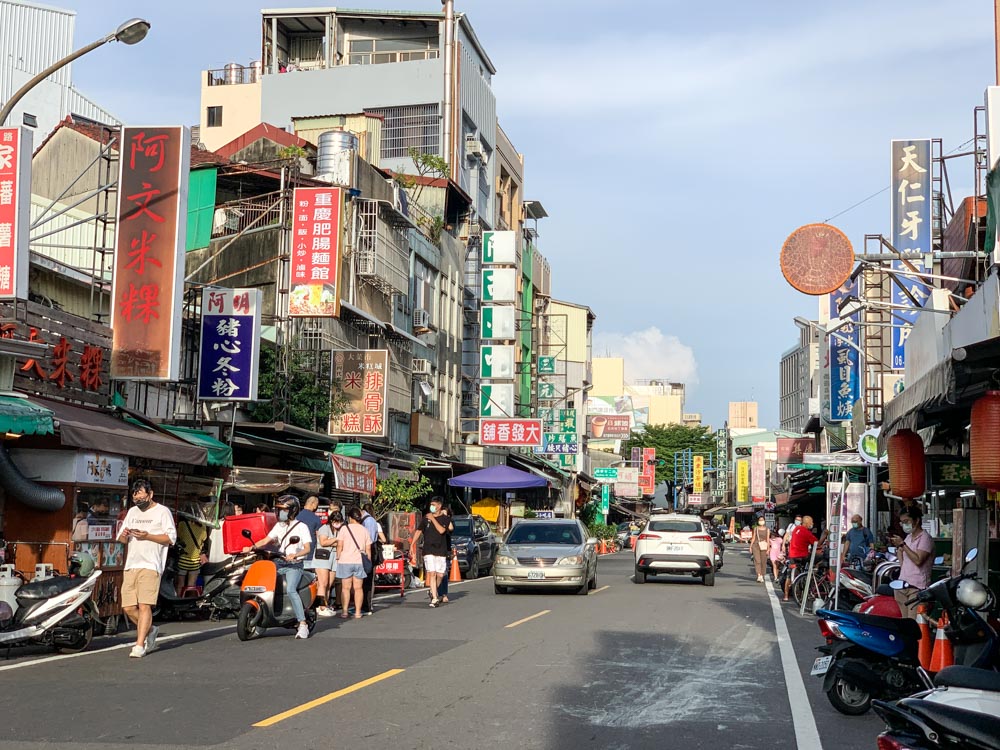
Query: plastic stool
(192, 591)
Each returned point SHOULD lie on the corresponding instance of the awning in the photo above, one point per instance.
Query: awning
(21, 417)
(101, 431)
(545, 469)
(219, 454)
(254, 481)
(498, 478)
(933, 388)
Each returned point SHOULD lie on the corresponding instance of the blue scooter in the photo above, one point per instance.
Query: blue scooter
(869, 657)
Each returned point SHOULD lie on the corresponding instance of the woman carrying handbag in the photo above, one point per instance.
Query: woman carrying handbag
(760, 543)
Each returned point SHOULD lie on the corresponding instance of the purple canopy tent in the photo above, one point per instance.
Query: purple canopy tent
(498, 478)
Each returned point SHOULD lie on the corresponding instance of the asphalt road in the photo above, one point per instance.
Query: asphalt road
(671, 664)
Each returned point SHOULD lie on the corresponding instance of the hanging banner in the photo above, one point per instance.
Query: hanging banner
(912, 230)
(149, 253)
(15, 211)
(742, 481)
(361, 378)
(758, 474)
(316, 233)
(353, 474)
(845, 380)
(499, 248)
(230, 345)
(699, 475)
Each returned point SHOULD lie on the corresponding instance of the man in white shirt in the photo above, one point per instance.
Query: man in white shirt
(149, 530)
(287, 528)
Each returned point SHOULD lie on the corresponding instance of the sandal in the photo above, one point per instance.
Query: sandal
(357, 617)
(342, 616)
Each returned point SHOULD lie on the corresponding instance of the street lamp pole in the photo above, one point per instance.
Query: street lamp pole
(132, 31)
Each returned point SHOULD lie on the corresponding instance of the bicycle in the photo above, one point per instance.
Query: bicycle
(819, 587)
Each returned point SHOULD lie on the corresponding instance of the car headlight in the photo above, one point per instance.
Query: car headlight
(571, 560)
(504, 560)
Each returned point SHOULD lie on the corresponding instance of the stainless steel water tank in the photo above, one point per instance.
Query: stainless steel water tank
(335, 156)
(255, 69)
(233, 73)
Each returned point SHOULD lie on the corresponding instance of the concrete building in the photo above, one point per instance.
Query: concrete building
(743, 414)
(32, 37)
(799, 382)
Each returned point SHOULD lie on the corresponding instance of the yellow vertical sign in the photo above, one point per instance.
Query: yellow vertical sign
(743, 481)
(699, 474)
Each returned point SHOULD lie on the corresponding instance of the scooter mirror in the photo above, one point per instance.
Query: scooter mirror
(897, 585)
(247, 534)
(971, 555)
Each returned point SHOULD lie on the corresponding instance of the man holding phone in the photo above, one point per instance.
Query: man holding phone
(149, 530)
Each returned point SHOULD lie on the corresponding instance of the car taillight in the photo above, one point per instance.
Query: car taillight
(700, 538)
(649, 536)
(888, 742)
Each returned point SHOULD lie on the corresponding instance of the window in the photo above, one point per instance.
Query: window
(213, 117)
(30, 120)
(677, 527)
(378, 51)
(536, 533)
(414, 126)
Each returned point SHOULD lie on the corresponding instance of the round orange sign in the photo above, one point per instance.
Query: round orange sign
(817, 259)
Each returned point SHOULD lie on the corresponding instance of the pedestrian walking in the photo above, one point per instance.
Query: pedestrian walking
(149, 529)
(443, 583)
(307, 516)
(433, 530)
(916, 556)
(378, 538)
(760, 544)
(354, 547)
(775, 553)
(325, 563)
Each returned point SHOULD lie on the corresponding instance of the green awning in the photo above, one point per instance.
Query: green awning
(219, 454)
(316, 464)
(21, 417)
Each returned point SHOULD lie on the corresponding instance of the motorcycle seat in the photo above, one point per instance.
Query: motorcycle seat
(47, 589)
(903, 625)
(885, 590)
(968, 677)
(982, 729)
(210, 569)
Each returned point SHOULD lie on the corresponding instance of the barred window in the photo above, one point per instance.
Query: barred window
(414, 126)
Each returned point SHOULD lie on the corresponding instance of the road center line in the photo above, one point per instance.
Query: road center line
(806, 734)
(598, 591)
(327, 698)
(526, 619)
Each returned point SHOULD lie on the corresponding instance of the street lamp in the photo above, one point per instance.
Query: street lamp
(132, 31)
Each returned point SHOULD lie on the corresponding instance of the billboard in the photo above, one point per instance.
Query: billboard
(149, 253)
(15, 215)
(316, 236)
(609, 427)
(230, 344)
(511, 432)
(912, 230)
(361, 378)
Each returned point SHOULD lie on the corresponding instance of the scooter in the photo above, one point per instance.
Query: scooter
(870, 657)
(264, 602)
(220, 593)
(917, 724)
(57, 612)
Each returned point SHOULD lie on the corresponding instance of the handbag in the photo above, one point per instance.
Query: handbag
(366, 562)
(762, 545)
(322, 553)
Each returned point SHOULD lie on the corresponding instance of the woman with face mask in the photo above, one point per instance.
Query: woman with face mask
(325, 562)
(760, 544)
(916, 556)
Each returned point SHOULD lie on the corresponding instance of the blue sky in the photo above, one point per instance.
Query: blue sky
(674, 144)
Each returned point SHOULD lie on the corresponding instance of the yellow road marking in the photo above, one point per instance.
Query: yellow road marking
(327, 698)
(598, 591)
(526, 619)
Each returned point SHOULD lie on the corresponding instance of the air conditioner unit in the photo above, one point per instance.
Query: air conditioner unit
(421, 367)
(421, 319)
(473, 147)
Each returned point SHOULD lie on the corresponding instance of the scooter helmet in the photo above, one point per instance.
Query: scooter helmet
(289, 503)
(81, 564)
(972, 593)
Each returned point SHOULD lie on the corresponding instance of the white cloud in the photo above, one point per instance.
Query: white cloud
(649, 354)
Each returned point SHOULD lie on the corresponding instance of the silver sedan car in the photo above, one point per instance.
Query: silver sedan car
(546, 553)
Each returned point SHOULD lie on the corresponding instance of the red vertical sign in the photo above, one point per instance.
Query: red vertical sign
(15, 200)
(149, 253)
(647, 473)
(316, 233)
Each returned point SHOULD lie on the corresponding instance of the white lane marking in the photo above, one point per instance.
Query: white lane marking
(806, 734)
(528, 619)
(598, 591)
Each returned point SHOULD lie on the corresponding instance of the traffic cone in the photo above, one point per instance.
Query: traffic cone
(456, 574)
(926, 647)
(604, 547)
(944, 652)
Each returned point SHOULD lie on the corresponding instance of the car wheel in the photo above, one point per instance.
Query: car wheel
(593, 582)
(499, 589)
(709, 578)
(473, 572)
(640, 576)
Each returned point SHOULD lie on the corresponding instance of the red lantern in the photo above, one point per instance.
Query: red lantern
(984, 441)
(906, 464)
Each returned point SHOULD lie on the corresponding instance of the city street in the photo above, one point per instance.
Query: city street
(672, 664)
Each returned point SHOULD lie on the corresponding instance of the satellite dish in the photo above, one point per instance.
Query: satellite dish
(817, 259)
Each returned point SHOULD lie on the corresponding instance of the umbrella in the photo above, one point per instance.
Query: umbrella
(498, 478)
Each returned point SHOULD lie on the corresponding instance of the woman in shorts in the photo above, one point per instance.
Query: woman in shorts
(325, 568)
(353, 544)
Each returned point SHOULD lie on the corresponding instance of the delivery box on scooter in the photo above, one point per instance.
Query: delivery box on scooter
(258, 524)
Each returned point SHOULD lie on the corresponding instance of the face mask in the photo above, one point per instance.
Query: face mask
(856, 525)
(760, 523)
(282, 515)
(144, 505)
(337, 525)
(798, 522)
(907, 528)
(434, 509)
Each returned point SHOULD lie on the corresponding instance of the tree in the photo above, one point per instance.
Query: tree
(428, 166)
(668, 440)
(311, 401)
(398, 493)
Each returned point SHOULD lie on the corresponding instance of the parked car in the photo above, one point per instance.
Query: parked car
(546, 553)
(475, 543)
(677, 544)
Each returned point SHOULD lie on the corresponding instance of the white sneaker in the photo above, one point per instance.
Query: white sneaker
(151, 639)
(137, 652)
(303, 631)
(760, 579)
(324, 612)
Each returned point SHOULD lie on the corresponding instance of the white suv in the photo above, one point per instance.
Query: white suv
(675, 543)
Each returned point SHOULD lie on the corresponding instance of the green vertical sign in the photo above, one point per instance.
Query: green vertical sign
(546, 365)
(488, 295)
(486, 323)
(547, 391)
(486, 362)
(605, 498)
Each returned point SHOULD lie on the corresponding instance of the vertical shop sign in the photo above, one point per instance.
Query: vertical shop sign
(499, 248)
(845, 381)
(15, 217)
(149, 253)
(721, 463)
(230, 344)
(361, 378)
(742, 481)
(758, 474)
(496, 361)
(912, 230)
(316, 233)
(699, 474)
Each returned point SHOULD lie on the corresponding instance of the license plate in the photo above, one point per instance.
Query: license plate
(821, 666)
(673, 547)
(536, 575)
